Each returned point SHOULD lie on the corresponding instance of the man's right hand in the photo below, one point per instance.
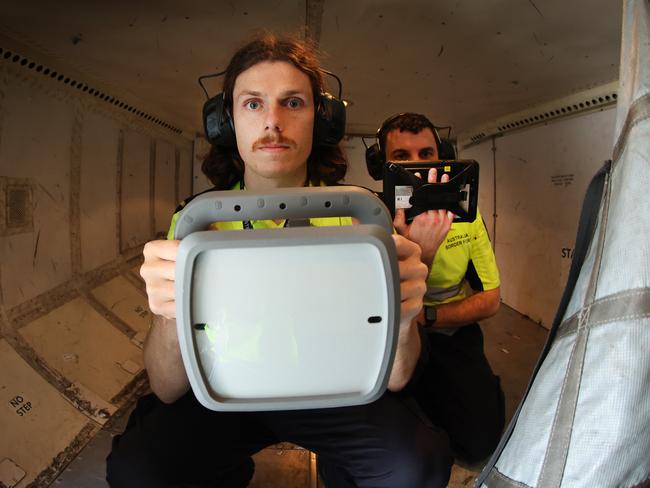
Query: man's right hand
(162, 356)
(158, 272)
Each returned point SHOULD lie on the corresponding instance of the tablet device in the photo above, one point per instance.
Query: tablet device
(403, 189)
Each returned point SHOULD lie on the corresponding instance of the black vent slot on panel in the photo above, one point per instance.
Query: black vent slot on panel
(17, 209)
(19, 206)
(11, 57)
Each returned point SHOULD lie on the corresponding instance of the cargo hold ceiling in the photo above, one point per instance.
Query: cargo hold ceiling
(463, 63)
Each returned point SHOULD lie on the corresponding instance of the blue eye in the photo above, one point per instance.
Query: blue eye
(253, 104)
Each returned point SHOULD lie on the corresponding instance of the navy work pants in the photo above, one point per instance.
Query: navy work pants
(383, 444)
(459, 393)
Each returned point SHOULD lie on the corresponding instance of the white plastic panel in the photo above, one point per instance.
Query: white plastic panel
(165, 186)
(97, 200)
(34, 262)
(274, 340)
(36, 422)
(135, 204)
(80, 344)
(124, 300)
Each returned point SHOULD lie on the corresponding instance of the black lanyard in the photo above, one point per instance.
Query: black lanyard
(248, 225)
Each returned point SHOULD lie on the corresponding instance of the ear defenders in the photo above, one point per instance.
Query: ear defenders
(329, 121)
(376, 156)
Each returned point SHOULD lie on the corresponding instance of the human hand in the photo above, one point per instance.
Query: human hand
(428, 229)
(158, 272)
(413, 274)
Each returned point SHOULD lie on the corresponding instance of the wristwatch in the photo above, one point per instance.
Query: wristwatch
(430, 316)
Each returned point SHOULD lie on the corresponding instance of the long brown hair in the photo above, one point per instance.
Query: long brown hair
(223, 165)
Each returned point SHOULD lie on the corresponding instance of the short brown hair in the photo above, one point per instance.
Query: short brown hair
(409, 122)
(223, 165)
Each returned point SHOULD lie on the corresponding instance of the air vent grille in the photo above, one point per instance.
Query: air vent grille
(12, 57)
(16, 206)
(583, 102)
(19, 200)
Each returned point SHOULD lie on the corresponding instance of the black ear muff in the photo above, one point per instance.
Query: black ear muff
(329, 121)
(375, 161)
(375, 157)
(446, 150)
(217, 122)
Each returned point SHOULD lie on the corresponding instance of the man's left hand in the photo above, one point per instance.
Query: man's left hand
(428, 229)
(412, 274)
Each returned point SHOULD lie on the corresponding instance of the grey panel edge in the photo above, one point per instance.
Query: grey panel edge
(335, 201)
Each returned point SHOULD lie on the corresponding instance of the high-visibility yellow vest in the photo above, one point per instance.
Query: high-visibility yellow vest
(464, 257)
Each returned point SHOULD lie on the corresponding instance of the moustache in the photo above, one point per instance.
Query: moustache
(272, 140)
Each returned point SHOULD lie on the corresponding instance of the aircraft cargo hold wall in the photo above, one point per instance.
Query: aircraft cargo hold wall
(542, 173)
(85, 181)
